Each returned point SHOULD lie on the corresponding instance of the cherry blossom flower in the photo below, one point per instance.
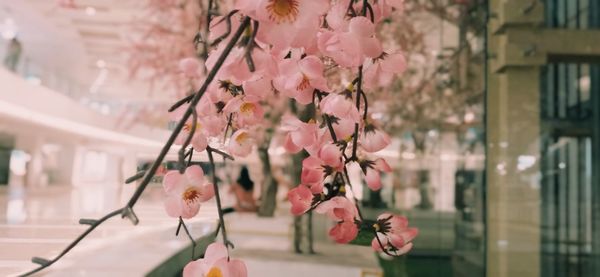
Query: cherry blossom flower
(350, 47)
(301, 134)
(372, 172)
(312, 174)
(298, 78)
(344, 232)
(285, 23)
(241, 143)
(301, 199)
(382, 71)
(394, 234)
(215, 264)
(339, 106)
(331, 155)
(340, 208)
(199, 140)
(247, 109)
(186, 191)
(374, 139)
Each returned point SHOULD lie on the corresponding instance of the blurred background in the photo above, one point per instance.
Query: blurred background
(495, 126)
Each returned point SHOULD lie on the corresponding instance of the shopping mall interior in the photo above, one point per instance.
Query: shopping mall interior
(494, 152)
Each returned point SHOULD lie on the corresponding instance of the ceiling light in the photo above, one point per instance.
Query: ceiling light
(90, 11)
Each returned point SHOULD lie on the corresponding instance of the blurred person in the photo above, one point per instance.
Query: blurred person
(243, 189)
(13, 54)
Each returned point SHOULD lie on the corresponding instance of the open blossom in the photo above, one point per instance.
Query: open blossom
(344, 212)
(285, 23)
(215, 264)
(350, 46)
(394, 234)
(248, 110)
(373, 173)
(185, 192)
(382, 71)
(338, 208)
(374, 139)
(301, 199)
(241, 143)
(299, 78)
(344, 232)
(339, 106)
(331, 155)
(312, 174)
(300, 134)
(199, 140)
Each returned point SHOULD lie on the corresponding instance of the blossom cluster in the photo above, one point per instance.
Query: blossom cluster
(291, 48)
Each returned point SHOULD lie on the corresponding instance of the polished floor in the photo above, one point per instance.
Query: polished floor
(42, 222)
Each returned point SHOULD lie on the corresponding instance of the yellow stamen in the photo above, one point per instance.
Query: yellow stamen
(191, 194)
(247, 108)
(214, 272)
(377, 227)
(241, 138)
(304, 84)
(283, 10)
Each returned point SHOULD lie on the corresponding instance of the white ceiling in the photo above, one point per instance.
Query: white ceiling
(70, 42)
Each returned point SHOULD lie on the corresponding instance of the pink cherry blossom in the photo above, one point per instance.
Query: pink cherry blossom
(301, 199)
(301, 134)
(350, 47)
(373, 139)
(285, 23)
(344, 232)
(382, 71)
(186, 191)
(338, 208)
(199, 140)
(331, 155)
(339, 106)
(373, 175)
(215, 263)
(344, 128)
(312, 174)
(299, 78)
(247, 109)
(241, 143)
(394, 234)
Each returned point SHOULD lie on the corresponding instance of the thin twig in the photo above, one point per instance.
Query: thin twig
(47, 263)
(188, 140)
(187, 232)
(218, 199)
(181, 102)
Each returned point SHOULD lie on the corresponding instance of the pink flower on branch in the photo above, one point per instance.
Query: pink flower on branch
(185, 192)
(352, 43)
(381, 72)
(215, 263)
(373, 139)
(241, 143)
(372, 171)
(298, 78)
(301, 199)
(393, 234)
